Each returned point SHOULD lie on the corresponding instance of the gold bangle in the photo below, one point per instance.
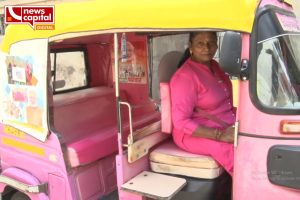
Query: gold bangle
(218, 133)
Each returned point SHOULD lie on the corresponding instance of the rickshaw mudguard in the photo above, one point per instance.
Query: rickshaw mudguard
(23, 182)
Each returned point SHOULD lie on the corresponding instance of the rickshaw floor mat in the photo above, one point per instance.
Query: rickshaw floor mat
(112, 196)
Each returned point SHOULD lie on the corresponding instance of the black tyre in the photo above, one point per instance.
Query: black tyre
(20, 196)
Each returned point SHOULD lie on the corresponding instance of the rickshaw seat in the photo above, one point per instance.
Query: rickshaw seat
(86, 120)
(94, 147)
(167, 67)
(86, 127)
(168, 158)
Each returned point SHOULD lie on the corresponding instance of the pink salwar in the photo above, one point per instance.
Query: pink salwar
(194, 86)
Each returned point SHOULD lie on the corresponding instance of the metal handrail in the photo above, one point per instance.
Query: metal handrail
(130, 119)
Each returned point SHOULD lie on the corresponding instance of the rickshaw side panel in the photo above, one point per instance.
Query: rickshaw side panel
(126, 171)
(24, 154)
(258, 132)
(253, 168)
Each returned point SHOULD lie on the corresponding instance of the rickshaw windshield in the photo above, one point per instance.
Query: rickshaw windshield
(278, 71)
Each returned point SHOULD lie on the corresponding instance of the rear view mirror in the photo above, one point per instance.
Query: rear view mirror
(230, 54)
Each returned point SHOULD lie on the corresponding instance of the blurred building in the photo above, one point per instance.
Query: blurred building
(296, 5)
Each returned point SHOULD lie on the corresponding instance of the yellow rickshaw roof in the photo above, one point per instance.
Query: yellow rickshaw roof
(117, 15)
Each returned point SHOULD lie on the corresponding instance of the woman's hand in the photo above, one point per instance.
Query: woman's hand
(227, 135)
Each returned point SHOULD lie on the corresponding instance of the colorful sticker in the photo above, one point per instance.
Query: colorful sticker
(22, 99)
(132, 61)
(288, 23)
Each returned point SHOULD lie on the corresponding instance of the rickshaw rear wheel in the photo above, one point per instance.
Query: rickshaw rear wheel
(20, 196)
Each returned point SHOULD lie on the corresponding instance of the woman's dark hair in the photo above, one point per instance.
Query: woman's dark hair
(193, 34)
(184, 57)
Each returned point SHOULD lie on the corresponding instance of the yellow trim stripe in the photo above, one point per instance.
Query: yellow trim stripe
(13, 131)
(26, 125)
(23, 146)
(235, 91)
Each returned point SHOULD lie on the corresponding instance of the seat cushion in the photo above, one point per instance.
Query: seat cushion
(93, 147)
(170, 159)
(99, 144)
(83, 112)
(86, 121)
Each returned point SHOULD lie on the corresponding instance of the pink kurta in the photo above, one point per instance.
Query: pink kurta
(194, 85)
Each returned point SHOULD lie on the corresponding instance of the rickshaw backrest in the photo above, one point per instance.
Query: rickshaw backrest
(167, 67)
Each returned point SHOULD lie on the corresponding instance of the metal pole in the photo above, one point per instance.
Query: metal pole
(116, 63)
(116, 74)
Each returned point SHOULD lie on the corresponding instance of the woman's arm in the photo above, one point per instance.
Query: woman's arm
(184, 98)
(226, 135)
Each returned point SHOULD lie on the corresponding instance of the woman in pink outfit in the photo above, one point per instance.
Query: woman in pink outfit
(202, 109)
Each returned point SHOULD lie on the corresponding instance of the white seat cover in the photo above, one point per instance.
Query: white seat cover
(170, 159)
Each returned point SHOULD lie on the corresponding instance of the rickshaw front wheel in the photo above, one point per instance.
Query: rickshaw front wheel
(20, 196)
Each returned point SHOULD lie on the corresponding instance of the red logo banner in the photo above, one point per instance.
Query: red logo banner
(31, 15)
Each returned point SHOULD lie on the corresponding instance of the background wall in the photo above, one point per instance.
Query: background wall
(296, 5)
(162, 45)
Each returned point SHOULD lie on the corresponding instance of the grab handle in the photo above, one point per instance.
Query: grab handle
(130, 119)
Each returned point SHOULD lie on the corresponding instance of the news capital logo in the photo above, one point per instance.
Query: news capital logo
(38, 17)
